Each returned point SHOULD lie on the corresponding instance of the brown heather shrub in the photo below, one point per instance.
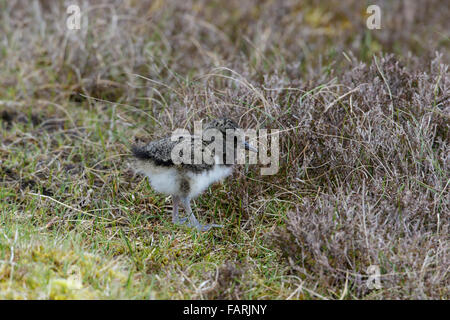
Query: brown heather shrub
(380, 163)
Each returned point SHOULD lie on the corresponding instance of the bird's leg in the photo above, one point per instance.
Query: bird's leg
(175, 213)
(176, 202)
(193, 222)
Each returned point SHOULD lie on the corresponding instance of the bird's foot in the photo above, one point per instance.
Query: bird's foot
(193, 223)
(207, 227)
(180, 221)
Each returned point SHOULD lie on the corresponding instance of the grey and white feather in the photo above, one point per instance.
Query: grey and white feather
(185, 181)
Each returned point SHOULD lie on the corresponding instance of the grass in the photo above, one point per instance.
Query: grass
(114, 217)
(364, 164)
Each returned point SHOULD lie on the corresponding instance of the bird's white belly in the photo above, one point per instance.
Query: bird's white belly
(162, 179)
(168, 180)
(165, 182)
(200, 181)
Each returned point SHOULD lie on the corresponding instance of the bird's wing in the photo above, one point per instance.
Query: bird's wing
(157, 151)
(160, 152)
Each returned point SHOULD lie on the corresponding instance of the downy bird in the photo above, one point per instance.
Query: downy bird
(171, 170)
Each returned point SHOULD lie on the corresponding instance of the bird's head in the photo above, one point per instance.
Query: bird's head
(227, 126)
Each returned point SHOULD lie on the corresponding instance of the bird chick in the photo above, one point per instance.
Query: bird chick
(184, 180)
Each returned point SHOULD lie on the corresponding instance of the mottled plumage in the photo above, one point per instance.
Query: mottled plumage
(159, 152)
(185, 181)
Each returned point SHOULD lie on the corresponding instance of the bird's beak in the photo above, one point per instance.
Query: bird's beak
(249, 147)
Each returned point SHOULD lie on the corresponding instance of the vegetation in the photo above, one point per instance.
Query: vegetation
(364, 163)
